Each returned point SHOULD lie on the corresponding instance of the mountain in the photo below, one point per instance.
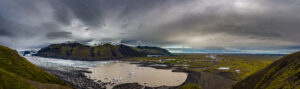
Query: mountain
(79, 51)
(152, 50)
(18, 73)
(282, 74)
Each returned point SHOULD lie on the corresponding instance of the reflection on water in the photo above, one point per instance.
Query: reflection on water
(124, 72)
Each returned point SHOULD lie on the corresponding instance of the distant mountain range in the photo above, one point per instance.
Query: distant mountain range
(282, 74)
(77, 51)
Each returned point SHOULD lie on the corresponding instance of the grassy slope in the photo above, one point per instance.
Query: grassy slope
(190, 86)
(11, 81)
(282, 74)
(107, 51)
(15, 69)
(247, 66)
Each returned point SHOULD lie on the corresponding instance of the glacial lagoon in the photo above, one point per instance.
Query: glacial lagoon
(124, 72)
(115, 72)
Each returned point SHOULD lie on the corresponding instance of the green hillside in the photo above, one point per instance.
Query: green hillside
(282, 74)
(18, 73)
(79, 51)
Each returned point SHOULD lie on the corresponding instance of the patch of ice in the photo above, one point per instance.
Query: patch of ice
(224, 68)
(59, 63)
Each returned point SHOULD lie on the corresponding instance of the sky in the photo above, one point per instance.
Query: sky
(254, 26)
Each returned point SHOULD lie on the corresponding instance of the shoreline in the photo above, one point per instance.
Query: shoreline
(206, 80)
(76, 78)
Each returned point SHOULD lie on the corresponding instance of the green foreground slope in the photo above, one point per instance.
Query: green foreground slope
(11, 81)
(16, 71)
(282, 74)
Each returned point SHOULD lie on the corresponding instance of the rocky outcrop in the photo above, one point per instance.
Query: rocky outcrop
(76, 79)
(128, 86)
(208, 80)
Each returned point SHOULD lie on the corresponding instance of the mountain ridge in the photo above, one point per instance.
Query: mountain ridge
(77, 51)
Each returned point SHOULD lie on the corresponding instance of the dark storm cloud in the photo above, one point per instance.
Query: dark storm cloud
(5, 33)
(194, 23)
(92, 12)
(58, 35)
(86, 11)
(3, 30)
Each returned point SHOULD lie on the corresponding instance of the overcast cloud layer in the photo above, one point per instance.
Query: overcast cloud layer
(224, 24)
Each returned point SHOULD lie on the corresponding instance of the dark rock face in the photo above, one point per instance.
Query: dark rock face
(128, 86)
(79, 51)
(153, 50)
(282, 74)
(208, 80)
(138, 86)
(129, 52)
(76, 79)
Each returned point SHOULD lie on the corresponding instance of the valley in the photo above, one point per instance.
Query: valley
(202, 70)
